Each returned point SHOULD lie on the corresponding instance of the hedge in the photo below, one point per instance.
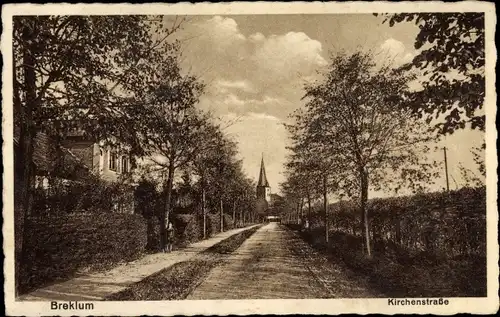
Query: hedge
(443, 225)
(398, 275)
(59, 247)
(213, 223)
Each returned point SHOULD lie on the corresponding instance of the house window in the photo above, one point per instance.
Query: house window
(101, 160)
(125, 168)
(113, 160)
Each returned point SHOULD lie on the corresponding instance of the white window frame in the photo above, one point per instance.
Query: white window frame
(113, 158)
(125, 164)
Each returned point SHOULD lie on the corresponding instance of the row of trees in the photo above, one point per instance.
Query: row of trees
(213, 181)
(363, 127)
(118, 79)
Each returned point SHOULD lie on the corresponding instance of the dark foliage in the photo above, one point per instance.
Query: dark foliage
(89, 196)
(450, 42)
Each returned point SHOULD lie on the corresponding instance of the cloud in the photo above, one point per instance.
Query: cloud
(223, 31)
(274, 106)
(233, 101)
(393, 47)
(257, 37)
(225, 85)
(288, 54)
(263, 116)
(250, 72)
(395, 52)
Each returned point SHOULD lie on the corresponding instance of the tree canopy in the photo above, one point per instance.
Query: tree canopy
(356, 131)
(452, 57)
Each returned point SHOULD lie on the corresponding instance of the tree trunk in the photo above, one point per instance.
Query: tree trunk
(325, 205)
(308, 204)
(365, 228)
(295, 213)
(204, 211)
(241, 220)
(301, 208)
(221, 216)
(165, 215)
(234, 212)
(27, 134)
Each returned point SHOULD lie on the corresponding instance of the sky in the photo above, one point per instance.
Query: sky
(255, 68)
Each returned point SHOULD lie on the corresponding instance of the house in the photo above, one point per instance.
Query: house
(78, 159)
(107, 162)
(49, 162)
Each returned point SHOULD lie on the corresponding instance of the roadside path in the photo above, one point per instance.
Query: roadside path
(99, 285)
(276, 263)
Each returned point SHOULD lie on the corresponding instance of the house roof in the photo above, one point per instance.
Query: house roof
(45, 157)
(262, 176)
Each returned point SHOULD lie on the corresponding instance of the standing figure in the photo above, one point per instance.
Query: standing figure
(170, 236)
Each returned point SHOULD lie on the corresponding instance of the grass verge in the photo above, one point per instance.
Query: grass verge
(179, 280)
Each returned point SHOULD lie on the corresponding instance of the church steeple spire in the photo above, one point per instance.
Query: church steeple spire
(262, 176)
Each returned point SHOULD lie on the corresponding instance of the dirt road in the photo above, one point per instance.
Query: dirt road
(276, 263)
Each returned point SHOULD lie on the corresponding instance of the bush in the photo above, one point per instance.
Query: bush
(213, 224)
(59, 247)
(424, 245)
(187, 228)
(153, 234)
(228, 222)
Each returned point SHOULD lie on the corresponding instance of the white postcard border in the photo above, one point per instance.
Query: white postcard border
(489, 304)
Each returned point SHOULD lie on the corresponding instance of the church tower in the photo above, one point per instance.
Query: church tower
(263, 188)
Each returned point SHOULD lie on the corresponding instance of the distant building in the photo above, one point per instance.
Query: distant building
(263, 188)
(264, 196)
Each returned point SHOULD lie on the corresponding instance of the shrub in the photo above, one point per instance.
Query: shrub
(153, 234)
(59, 247)
(213, 224)
(429, 244)
(188, 229)
(228, 222)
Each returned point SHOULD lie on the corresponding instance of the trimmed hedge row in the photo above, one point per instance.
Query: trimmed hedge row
(400, 275)
(59, 247)
(440, 224)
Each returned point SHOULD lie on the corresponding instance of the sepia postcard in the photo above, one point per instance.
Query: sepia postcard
(249, 158)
